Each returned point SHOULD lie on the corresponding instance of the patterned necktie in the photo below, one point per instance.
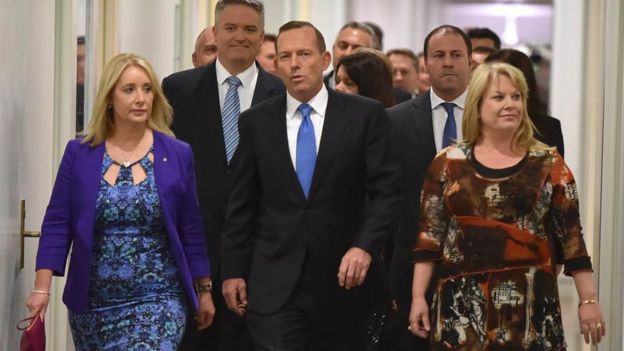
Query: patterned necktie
(306, 149)
(450, 128)
(229, 117)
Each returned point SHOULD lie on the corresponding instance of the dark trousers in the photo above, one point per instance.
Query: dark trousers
(312, 320)
(228, 331)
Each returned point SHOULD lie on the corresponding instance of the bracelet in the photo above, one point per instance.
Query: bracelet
(203, 288)
(40, 292)
(587, 302)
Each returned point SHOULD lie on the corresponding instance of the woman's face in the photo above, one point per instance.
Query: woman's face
(132, 97)
(344, 83)
(501, 107)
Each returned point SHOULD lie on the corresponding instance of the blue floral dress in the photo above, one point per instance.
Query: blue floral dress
(136, 298)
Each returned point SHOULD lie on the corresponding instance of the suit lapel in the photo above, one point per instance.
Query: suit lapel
(209, 125)
(333, 127)
(264, 89)
(92, 168)
(423, 124)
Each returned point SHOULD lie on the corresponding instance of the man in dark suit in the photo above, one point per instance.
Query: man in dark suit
(355, 35)
(204, 101)
(422, 127)
(302, 243)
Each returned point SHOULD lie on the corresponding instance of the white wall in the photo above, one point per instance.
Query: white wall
(148, 28)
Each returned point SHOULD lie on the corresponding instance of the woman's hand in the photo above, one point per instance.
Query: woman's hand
(205, 313)
(37, 304)
(419, 318)
(592, 323)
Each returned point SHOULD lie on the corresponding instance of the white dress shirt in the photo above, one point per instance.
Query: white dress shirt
(248, 79)
(439, 116)
(294, 118)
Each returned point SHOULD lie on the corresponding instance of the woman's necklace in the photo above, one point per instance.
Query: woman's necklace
(127, 157)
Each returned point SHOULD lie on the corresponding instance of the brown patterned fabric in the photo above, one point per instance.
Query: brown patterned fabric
(496, 242)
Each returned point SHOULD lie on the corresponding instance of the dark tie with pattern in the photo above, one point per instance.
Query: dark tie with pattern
(450, 128)
(306, 149)
(229, 117)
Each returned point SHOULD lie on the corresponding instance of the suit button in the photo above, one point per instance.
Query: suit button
(308, 211)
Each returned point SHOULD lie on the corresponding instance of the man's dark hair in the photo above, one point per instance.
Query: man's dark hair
(253, 4)
(378, 39)
(270, 37)
(361, 26)
(405, 52)
(484, 33)
(450, 29)
(483, 50)
(320, 41)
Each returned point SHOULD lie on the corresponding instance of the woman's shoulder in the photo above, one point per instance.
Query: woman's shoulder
(171, 142)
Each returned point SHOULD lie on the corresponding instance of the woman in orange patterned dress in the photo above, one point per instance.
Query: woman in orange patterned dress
(497, 209)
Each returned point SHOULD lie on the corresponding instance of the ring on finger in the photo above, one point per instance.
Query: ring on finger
(598, 325)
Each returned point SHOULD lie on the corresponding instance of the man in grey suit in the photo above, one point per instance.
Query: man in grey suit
(206, 102)
(422, 127)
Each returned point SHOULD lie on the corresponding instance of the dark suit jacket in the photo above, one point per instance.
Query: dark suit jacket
(70, 216)
(194, 96)
(354, 201)
(399, 95)
(549, 132)
(413, 134)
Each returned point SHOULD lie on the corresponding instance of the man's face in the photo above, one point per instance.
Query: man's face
(266, 57)
(205, 49)
(300, 63)
(404, 74)
(484, 42)
(238, 35)
(448, 64)
(348, 40)
(424, 82)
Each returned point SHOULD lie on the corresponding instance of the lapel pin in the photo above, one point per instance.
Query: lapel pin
(164, 159)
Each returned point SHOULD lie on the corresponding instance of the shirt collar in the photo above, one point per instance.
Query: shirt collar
(246, 76)
(460, 101)
(318, 103)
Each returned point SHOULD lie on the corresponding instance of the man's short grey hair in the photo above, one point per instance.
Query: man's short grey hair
(361, 26)
(255, 5)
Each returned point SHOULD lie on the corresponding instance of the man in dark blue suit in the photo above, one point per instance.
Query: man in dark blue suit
(422, 127)
(315, 196)
(206, 103)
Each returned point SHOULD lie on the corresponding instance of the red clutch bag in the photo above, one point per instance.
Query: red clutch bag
(33, 334)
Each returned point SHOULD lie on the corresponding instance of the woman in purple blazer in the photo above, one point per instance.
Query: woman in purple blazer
(125, 198)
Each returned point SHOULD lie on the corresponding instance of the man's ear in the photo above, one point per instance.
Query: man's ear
(326, 60)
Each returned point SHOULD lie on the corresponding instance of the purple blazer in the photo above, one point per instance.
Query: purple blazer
(70, 216)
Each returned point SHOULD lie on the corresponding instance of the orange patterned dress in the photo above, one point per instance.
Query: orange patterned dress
(496, 235)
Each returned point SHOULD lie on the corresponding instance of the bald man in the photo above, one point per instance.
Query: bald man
(205, 48)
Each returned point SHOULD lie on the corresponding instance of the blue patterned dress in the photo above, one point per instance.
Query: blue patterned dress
(136, 298)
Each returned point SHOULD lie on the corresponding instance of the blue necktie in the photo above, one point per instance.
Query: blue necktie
(450, 128)
(306, 149)
(229, 117)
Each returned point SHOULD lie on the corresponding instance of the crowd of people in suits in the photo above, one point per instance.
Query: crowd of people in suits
(401, 202)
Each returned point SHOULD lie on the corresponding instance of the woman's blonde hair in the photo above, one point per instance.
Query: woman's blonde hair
(102, 124)
(482, 77)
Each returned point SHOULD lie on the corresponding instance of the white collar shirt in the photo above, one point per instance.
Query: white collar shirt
(439, 116)
(248, 78)
(294, 118)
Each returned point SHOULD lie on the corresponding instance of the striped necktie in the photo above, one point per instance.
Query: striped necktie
(229, 117)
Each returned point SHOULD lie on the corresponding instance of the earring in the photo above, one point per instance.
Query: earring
(110, 106)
